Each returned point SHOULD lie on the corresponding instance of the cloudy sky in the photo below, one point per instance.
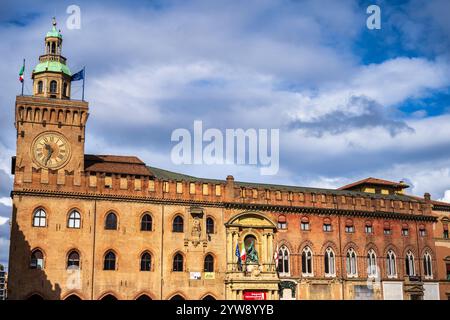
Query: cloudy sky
(349, 102)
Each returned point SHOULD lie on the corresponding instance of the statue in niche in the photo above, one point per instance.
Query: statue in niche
(252, 253)
(196, 227)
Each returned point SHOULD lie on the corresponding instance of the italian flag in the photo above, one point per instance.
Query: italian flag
(243, 253)
(21, 73)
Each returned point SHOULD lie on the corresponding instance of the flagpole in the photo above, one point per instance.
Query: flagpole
(23, 82)
(84, 77)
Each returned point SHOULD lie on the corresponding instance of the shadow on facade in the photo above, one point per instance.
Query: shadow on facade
(26, 280)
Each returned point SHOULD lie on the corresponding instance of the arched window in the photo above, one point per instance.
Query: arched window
(178, 224)
(327, 225)
(208, 264)
(283, 261)
(143, 297)
(53, 48)
(40, 87)
(330, 270)
(72, 297)
(111, 221)
(282, 224)
(178, 263)
(352, 270)
(53, 86)
(209, 297)
(409, 264)
(37, 259)
(371, 263)
(391, 266)
(427, 265)
(177, 297)
(209, 225)
(73, 260)
(65, 89)
(74, 220)
(307, 266)
(39, 218)
(349, 227)
(110, 261)
(304, 224)
(146, 262)
(146, 222)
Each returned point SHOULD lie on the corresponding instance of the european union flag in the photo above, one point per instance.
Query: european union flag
(78, 76)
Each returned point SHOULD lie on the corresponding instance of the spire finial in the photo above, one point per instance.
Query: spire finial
(54, 21)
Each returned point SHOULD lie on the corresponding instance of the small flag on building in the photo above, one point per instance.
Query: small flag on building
(80, 75)
(243, 253)
(275, 257)
(22, 70)
(238, 255)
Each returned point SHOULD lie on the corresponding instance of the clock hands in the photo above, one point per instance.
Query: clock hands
(49, 153)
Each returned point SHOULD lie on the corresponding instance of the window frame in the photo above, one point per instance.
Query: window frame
(39, 218)
(145, 261)
(391, 264)
(72, 220)
(176, 225)
(329, 263)
(108, 261)
(176, 262)
(146, 223)
(307, 262)
(116, 222)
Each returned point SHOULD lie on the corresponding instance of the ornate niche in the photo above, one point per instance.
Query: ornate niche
(196, 232)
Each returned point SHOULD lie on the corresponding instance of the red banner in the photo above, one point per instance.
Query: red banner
(255, 295)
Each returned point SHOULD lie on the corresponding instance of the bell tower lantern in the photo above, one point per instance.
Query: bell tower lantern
(51, 77)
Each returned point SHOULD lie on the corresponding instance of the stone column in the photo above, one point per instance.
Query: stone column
(229, 249)
(264, 251)
(270, 246)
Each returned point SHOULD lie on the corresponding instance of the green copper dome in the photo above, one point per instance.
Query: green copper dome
(53, 66)
(54, 32)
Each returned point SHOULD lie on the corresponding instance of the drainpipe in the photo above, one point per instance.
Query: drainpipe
(93, 250)
(161, 252)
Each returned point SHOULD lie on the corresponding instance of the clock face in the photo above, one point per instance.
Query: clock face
(50, 150)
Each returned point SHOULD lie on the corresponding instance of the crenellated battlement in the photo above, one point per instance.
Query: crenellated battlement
(217, 191)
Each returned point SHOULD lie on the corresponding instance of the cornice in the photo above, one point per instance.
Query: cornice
(226, 205)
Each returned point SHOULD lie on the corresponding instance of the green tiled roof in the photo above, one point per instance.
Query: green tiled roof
(54, 66)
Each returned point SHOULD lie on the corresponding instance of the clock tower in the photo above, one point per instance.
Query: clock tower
(50, 125)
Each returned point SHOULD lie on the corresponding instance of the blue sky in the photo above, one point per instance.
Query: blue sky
(349, 102)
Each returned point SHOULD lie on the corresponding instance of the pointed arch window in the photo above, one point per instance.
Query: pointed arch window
(37, 259)
(74, 221)
(351, 261)
(111, 221)
(427, 265)
(146, 262)
(39, 218)
(178, 224)
(329, 262)
(391, 265)
(209, 225)
(109, 262)
(73, 260)
(146, 222)
(372, 268)
(208, 264)
(283, 261)
(409, 264)
(178, 263)
(307, 262)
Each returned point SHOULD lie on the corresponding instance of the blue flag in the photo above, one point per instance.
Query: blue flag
(78, 76)
(238, 255)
